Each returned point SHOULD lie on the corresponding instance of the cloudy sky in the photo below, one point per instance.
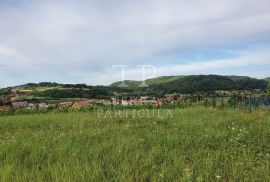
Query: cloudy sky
(80, 41)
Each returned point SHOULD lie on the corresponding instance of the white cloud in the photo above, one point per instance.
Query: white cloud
(80, 38)
(243, 59)
(255, 58)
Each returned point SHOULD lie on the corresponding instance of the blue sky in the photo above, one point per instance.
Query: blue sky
(79, 41)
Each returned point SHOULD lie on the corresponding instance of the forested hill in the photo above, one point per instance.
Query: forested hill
(157, 87)
(206, 83)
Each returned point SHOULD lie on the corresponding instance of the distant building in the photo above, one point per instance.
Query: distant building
(149, 102)
(4, 99)
(43, 105)
(81, 104)
(124, 102)
(31, 106)
(17, 105)
(144, 100)
(5, 108)
(115, 101)
(134, 101)
(158, 101)
(14, 99)
(64, 105)
(182, 97)
(170, 97)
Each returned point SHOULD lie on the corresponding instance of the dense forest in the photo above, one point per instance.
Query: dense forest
(208, 83)
(202, 83)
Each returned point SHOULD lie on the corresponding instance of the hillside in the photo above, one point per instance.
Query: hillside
(130, 83)
(196, 83)
(152, 81)
(206, 83)
(47, 91)
(157, 87)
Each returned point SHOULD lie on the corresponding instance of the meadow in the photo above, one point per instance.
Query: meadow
(195, 144)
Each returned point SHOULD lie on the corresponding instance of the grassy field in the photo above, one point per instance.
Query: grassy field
(196, 144)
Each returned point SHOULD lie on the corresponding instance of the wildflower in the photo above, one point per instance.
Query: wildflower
(218, 177)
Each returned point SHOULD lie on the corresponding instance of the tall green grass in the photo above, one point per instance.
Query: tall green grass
(196, 144)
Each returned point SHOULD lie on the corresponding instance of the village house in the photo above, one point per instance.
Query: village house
(64, 105)
(5, 108)
(81, 104)
(149, 101)
(257, 91)
(144, 99)
(124, 102)
(130, 101)
(197, 96)
(182, 97)
(31, 106)
(137, 101)
(170, 97)
(134, 101)
(14, 99)
(227, 93)
(18, 105)
(115, 101)
(43, 105)
(4, 99)
(158, 101)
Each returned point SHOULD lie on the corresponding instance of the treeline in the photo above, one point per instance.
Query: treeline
(98, 92)
(54, 84)
(94, 92)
